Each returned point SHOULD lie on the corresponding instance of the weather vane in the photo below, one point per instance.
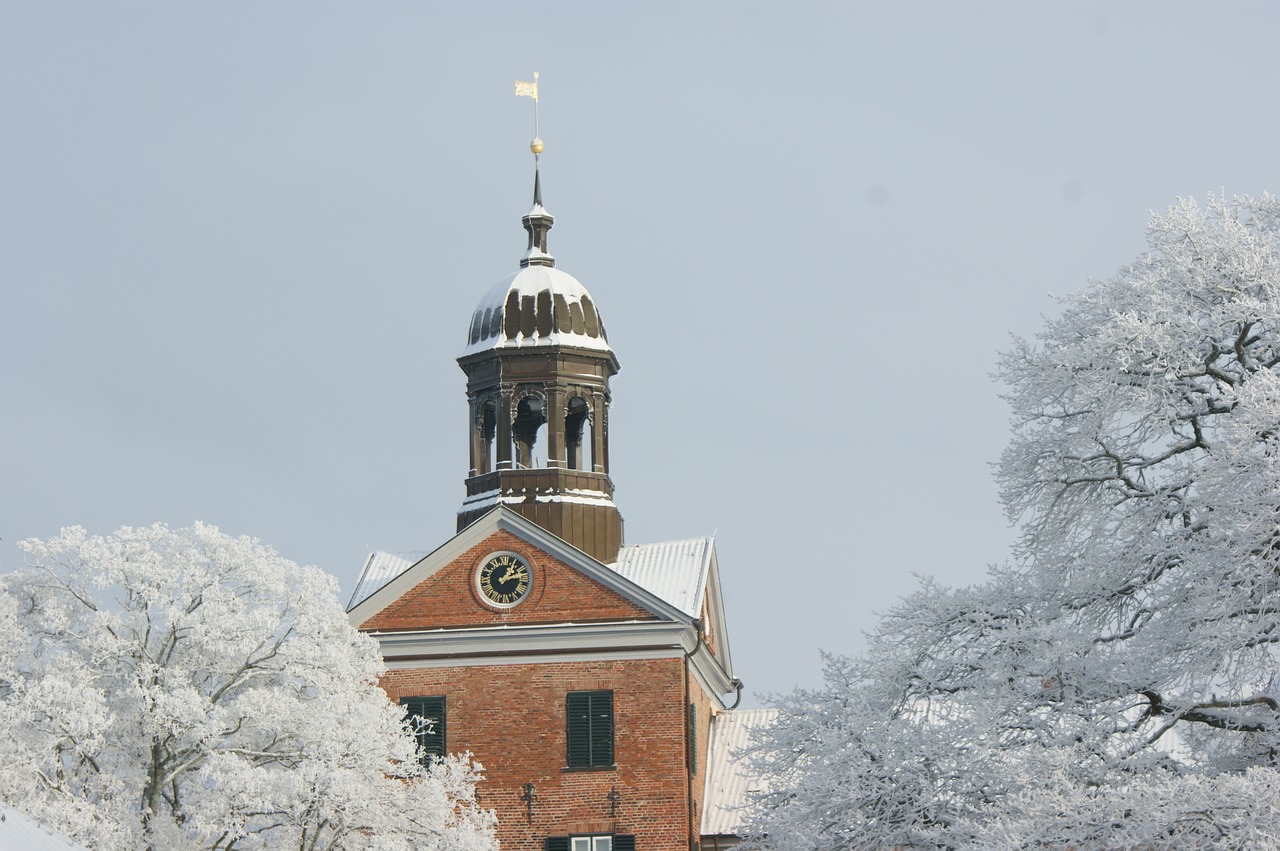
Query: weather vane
(530, 90)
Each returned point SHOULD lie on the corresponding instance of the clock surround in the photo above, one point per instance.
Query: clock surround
(503, 579)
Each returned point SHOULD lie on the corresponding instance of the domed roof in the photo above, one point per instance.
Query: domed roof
(536, 306)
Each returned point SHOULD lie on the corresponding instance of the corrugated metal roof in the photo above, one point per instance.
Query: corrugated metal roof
(379, 569)
(19, 832)
(676, 571)
(727, 780)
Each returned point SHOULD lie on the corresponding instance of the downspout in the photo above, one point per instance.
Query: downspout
(737, 699)
(688, 745)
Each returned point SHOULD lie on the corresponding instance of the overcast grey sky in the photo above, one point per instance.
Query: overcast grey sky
(240, 244)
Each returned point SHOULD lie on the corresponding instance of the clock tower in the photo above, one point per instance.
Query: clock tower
(538, 366)
(586, 676)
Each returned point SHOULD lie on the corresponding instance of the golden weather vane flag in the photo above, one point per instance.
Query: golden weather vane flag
(530, 90)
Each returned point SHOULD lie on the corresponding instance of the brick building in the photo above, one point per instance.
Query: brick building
(584, 674)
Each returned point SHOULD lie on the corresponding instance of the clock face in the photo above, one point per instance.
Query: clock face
(503, 580)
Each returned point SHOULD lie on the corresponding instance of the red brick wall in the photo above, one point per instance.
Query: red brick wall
(702, 708)
(512, 719)
(558, 594)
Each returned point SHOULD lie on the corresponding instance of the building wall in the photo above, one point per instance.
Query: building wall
(512, 720)
(702, 735)
(558, 594)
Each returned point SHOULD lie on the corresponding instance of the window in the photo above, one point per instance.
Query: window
(531, 416)
(589, 724)
(426, 714)
(604, 842)
(486, 430)
(577, 435)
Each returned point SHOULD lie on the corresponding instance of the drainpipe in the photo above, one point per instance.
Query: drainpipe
(688, 745)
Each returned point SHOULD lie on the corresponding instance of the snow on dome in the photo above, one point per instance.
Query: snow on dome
(536, 306)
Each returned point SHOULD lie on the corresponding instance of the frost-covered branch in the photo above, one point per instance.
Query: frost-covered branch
(184, 690)
(1130, 649)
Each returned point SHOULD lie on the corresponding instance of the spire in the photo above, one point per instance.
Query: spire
(538, 221)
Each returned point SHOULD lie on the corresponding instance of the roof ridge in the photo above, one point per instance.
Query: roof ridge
(672, 541)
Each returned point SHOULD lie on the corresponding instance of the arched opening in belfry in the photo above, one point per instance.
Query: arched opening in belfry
(577, 434)
(486, 431)
(531, 416)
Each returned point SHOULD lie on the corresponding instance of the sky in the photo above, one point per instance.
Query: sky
(240, 245)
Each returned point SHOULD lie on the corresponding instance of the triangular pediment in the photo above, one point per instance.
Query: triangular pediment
(716, 625)
(440, 590)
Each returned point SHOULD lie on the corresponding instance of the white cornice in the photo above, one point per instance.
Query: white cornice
(540, 659)
(531, 641)
(715, 681)
(515, 645)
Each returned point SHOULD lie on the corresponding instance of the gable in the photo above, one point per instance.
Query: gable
(709, 634)
(447, 598)
(437, 589)
(663, 598)
(715, 625)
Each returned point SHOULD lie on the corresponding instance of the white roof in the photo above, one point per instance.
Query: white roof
(728, 781)
(18, 832)
(379, 569)
(676, 571)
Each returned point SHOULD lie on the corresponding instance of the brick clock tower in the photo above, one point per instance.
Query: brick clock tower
(584, 674)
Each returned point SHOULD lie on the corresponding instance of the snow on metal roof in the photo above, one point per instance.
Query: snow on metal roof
(19, 832)
(379, 569)
(728, 780)
(536, 306)
(676, 571)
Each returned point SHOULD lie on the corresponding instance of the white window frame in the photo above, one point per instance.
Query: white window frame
(591, 843)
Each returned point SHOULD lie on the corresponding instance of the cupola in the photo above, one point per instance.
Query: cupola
(538, 366)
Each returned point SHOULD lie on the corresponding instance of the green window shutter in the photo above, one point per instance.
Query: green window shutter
(602, 728)
(589, 728)
(428, 717)
(557, 843)
(624, 843)
(578, 718)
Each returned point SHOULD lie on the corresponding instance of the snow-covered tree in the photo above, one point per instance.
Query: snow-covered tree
(1116, 684)
(183, 689)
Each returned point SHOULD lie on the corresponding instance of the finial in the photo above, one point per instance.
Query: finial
(539, 221)
(530, 90)
(536, 223)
